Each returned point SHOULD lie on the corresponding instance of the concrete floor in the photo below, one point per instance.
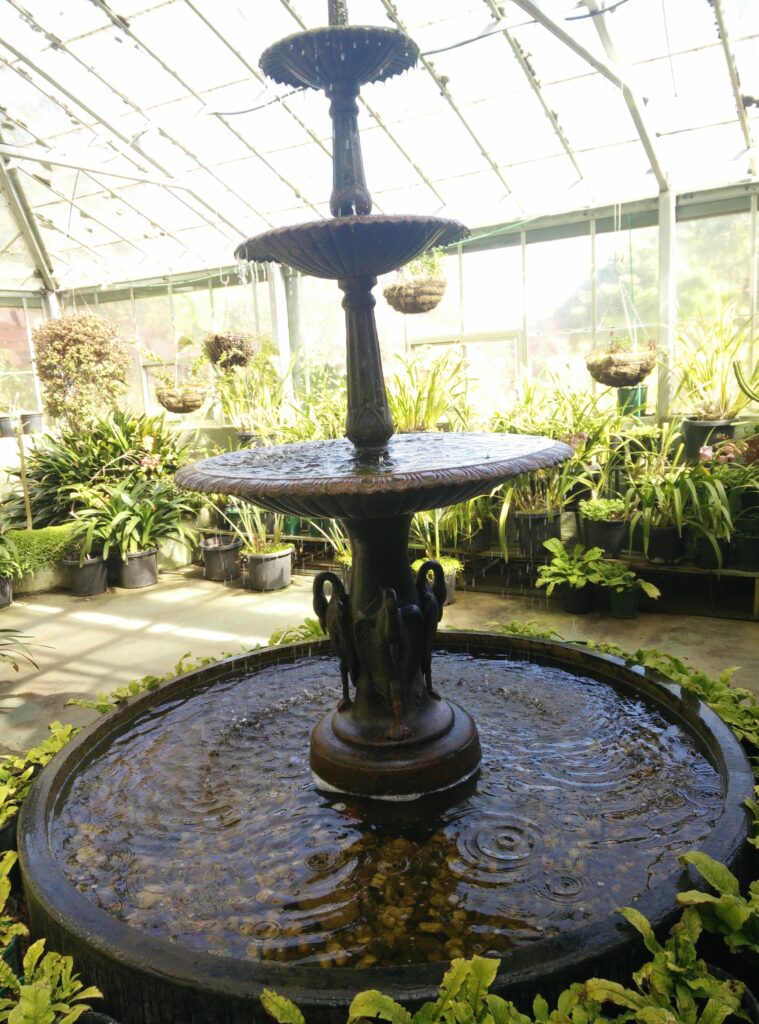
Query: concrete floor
(88, 645)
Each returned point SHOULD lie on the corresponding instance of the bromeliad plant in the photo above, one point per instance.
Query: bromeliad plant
(133, 518)
(576, 570)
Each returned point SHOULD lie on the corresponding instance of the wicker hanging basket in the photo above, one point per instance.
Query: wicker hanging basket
(415, 294)
(621, 369)
(182, 398)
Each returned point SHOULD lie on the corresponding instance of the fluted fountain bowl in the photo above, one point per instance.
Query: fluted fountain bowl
(180, 851)
(358, 246)
(321, 57)
(336, 480)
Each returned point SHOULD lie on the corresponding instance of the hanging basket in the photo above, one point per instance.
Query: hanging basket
(228, 350)
(183, 398)
(621, 369)
(415, 294)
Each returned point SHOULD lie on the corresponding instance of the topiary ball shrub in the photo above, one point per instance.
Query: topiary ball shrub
(83, 365)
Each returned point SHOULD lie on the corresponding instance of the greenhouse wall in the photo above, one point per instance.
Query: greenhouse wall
(525, 300)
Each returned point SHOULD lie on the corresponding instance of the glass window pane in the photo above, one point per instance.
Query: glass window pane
(493, 290)
(714, 264)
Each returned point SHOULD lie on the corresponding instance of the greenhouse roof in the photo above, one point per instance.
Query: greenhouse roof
(140, 138)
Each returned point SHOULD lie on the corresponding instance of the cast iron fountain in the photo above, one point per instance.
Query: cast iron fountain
(185, 850)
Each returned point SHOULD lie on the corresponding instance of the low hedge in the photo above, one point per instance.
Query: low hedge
(42, 548)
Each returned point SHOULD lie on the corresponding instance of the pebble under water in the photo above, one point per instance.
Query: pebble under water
(202, 825)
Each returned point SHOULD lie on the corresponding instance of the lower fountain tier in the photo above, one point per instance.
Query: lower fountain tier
(178, 849)
(352, 246)
(335, 480)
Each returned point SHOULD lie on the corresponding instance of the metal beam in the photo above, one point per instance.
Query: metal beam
(609, 71)
(735, 83)
(634, 105)
(42, 156)
(667, 301)
(26, 225)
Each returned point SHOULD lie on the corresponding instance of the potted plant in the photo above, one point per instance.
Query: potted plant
(422, 395)
(537, 500)
(83, 365)
(342, 552)
(709, 516)
(83, 558)
(658, 502)
(221, 556)
(420, 285)
(252, 398)
(624, 365)
(576, 574)
(132, 520)
(603, 524)
(624, 588)
(706, 383)
(745, 543)
(226, 350)
(267, 560)
(181, 387)
(48, 990)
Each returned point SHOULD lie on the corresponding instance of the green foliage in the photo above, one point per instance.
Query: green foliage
(616, 576)
(575, 570)
(41, 548)
(252, 397)
(228, 350)
(529, 629)
(734, 917)
(319, 412)
(48, 993)
(602, 509)
(753, 806)
(430, 264)
(309, 629)
(422, 393)
(82, 364)
(9, 928)
(13, 646)
(706, 353)
(120, 447)
(132, 517)
(749, 386)
(427, 533)
(17, 771)
(674, 986)
(12, 564)
(103, 702)
(259, 531)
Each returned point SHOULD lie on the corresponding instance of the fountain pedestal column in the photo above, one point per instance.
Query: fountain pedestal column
(394, 737)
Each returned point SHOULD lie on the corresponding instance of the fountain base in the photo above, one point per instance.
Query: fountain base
(398, 771)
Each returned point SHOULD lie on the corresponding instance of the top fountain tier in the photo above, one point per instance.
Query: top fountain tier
(339, 55)
(336, 480)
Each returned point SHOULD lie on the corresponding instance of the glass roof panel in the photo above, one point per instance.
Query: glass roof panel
(205, 115)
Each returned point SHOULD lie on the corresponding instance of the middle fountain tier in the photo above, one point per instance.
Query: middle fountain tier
(392, 734)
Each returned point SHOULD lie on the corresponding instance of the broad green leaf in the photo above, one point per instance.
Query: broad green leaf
(505, 1013)
(282, 1009)
(34, 1006)
(640, 923)
(481, 977)
(716, 874)
(540, 1008)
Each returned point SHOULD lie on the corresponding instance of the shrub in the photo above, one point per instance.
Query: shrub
(83, 365)
(41, 549)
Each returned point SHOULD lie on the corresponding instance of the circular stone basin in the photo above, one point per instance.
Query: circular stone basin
(179, 850)
(343, 247)
(334, 479)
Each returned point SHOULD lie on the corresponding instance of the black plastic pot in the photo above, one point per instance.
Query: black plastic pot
(632, 401)
(8, 835)
(665, 545)
(6, 427)
(609, 534)
(623, 604)
(705, 557)
(578, 600)
(88, 579)
(31, 422)
(750, 498)
(270, 571)
(221, 558)
(745, 553)
(139, 570)
(697, 433)
(533, 528)
(93, 1017)
(743, 968)
(6, 592)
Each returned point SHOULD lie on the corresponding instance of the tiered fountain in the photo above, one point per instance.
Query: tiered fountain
(186, 851)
